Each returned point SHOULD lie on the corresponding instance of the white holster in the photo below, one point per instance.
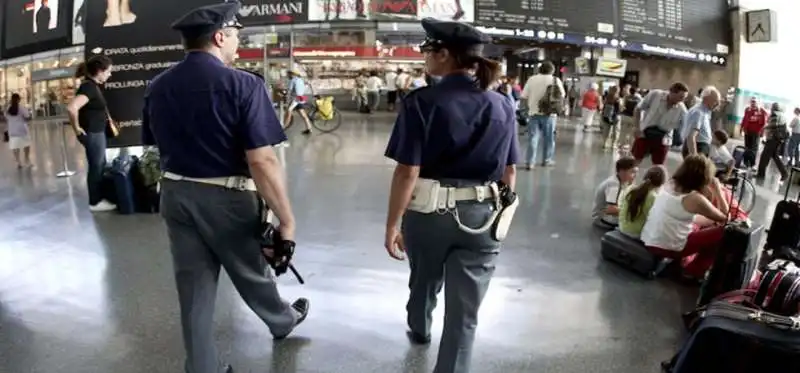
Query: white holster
(430, 196)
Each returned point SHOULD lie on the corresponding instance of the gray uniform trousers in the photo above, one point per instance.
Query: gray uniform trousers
(440, 253)
(210, 226)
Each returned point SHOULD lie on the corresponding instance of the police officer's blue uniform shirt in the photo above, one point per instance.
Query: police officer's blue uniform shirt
(455, 130)
(204, 116)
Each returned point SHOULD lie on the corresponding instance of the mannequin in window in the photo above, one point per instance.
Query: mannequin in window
(119, 13)
(42, 17)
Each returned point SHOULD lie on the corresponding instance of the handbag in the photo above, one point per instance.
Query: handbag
(112, 130)
(654, 133)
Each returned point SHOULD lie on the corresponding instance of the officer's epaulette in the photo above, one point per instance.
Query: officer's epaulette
(416, 92)
(253, 73)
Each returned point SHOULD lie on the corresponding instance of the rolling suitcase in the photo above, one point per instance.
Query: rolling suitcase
(122, 168)
(735, 264)
(729, 338)
(741, 157)
(630, 253)
(783, 235)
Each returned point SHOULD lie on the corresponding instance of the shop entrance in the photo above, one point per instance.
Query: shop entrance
(52, 90)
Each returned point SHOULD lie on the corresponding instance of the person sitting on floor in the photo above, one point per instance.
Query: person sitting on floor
(670, 230)
(721, 156)
(635, 206)
(607, 194)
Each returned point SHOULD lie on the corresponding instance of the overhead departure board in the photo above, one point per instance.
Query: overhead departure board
(595, 17)
(696, 24)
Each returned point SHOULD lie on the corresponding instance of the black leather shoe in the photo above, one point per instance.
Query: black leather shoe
(301, 306)
(417, 338)
(228, 369)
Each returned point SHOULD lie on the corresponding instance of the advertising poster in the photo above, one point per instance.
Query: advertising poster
(389, 10)
(34, 21)
(272, 12)
(136, 35)
(78, 22)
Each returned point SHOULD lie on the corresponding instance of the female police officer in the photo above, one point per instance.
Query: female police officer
(452, 141)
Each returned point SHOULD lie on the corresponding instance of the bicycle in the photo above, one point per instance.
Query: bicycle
(323, 123)
(742, 189)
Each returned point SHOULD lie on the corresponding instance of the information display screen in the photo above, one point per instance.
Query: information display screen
(697, 24)
(594, 17)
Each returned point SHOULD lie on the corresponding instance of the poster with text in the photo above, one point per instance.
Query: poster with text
(390, 10)
(34, 21)
(136, 35)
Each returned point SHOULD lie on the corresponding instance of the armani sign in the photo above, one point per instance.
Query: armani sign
(274, 11)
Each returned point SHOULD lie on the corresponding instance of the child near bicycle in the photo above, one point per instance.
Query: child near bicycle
(721, 156)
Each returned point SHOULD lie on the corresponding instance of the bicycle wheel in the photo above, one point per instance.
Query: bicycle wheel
(327, 125)
(746, 195)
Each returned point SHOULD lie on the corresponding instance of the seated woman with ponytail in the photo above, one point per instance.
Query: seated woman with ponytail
(671, 229)
(638, 200)
(88, 115)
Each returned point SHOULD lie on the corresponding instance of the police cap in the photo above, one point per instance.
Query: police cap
(207, 19)
(441, 34)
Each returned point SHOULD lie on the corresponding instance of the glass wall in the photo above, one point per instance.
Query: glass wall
(43, 80)
(18, 78)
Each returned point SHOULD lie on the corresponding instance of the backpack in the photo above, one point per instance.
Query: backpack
(630, 104)
(150, 166)
(609, 114)
(553, 100)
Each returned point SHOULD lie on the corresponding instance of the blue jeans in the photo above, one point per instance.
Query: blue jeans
(544, 127)
(95, 145)
(792, 150)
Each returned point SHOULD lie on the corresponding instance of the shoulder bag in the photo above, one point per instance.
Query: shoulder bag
(112, 130)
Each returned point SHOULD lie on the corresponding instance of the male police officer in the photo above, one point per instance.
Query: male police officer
(215, 128)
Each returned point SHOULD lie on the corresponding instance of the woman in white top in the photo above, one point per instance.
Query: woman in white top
(683, 220)
(17, 118)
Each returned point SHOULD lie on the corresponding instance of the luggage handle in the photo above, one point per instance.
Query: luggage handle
(789, 184)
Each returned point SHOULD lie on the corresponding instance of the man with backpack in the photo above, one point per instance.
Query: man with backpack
(543, 98)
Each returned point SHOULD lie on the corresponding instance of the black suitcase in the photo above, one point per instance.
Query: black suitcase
(735, 264)
(784, 230)
(630, 253)
(732, 338)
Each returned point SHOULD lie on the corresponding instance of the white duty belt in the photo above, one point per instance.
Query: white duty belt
(231, 182)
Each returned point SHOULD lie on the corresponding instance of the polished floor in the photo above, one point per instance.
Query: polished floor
(83, 293)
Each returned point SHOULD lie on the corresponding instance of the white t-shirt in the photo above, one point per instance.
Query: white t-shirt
(668, 224)
(794, 125)
(374, 84)
(391, 81)
(17, 124)
(720, 155)
(536, 87)
(402, 81)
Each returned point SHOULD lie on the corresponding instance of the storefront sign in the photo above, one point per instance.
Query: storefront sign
(141, 44)
(613, 67)
(268, 12)
(50, 74)
(384, 51)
